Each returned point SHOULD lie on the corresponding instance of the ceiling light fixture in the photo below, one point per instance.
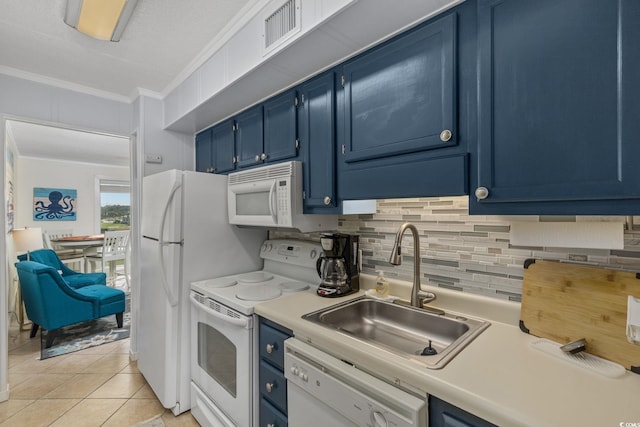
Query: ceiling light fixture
(100, 19)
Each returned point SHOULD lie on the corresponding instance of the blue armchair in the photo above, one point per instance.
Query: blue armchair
(51, 303)
(73, 278)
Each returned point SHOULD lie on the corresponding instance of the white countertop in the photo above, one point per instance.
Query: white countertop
(498, 376)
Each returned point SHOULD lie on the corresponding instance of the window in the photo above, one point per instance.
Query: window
(115, 205)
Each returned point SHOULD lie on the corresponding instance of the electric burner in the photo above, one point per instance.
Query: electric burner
(293, 286)
(258, 293)
(289, 267)
(255, 277)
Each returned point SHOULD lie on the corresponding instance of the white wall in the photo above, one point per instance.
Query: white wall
(25, 99)
(46, 173)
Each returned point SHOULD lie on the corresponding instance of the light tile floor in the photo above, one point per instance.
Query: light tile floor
(97, 386)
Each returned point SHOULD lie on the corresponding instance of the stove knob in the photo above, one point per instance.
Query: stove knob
(304, 377)
(295, 371)
(378, 419)
(269, 247)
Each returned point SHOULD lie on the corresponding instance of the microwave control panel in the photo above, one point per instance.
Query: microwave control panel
(283, 199)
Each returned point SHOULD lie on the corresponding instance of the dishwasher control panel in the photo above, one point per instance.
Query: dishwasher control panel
(348, 391)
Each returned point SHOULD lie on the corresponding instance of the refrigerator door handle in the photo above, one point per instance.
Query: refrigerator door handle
(173, 300)
(272, 203)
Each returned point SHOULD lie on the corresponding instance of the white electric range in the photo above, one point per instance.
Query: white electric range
(224, 334)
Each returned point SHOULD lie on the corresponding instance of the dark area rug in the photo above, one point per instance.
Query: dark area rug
(84, 335)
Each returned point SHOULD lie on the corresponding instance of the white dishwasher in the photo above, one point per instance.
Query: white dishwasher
(324, 391)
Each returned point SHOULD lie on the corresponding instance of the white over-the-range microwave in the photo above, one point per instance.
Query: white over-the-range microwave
(271, 196)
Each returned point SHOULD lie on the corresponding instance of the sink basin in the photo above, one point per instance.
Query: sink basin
(401, 329)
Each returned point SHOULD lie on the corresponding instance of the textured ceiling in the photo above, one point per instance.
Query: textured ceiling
(52, 143)
(162, 39)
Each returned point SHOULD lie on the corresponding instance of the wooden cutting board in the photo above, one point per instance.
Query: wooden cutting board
(565, 302)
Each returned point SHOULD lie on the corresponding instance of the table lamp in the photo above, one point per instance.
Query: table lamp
(27, 239)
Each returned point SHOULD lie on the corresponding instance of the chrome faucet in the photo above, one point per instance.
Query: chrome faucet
(417, 296)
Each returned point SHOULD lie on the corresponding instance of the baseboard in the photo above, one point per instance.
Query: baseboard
(133, 355)
(4, 394)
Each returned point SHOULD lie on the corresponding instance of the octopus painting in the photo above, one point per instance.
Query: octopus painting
(54, 204)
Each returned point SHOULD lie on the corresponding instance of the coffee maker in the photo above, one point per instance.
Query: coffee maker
(338, 267)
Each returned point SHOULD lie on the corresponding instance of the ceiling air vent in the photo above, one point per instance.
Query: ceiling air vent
(280, 25)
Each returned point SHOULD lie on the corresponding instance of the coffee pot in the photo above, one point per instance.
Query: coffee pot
(338, 266)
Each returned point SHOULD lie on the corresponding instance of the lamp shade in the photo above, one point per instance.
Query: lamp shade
(27, 239)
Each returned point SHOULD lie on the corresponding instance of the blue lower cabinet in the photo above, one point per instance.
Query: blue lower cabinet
(443, 414)
(272, 384)
(558, 108)
(271, 343)
(270, 416)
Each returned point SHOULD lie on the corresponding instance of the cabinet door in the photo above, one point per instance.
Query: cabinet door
(249, 137)
(558, 104)
(317, 139)
(444, 414)
(400, 97)
(204, 152)
(280, 127)
(223, 142)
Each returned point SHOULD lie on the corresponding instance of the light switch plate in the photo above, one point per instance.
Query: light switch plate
(154, 158)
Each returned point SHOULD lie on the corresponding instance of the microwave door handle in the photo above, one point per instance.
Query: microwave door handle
(272, 203)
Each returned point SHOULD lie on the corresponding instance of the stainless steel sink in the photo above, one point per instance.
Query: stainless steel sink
(401, 329)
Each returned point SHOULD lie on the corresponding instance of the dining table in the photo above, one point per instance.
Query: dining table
(79, 242)
(89, 244)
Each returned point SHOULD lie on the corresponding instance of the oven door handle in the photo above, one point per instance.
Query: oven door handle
(237, 322)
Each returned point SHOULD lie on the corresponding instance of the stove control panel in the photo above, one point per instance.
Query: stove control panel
(295, 252)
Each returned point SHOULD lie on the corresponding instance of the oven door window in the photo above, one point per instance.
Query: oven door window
(217, 357)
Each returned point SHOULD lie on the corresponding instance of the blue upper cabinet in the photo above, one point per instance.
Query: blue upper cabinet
(317, 143)
(399, 98)
(215, 149)
(204, 151)
(401, 109)
(249, 138)
(223, 143)
(559, 110)
(280, 127)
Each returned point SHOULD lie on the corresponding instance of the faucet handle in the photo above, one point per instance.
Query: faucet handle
(425, 297)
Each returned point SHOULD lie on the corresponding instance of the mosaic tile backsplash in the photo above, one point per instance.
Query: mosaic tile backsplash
(464, 252)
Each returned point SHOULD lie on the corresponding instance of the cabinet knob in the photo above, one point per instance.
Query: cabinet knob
(257, 157)
(263, 156)
(269, 387)
(482, 193)
(327, 200)
(271, 425)
(445, 135)
(270, 348)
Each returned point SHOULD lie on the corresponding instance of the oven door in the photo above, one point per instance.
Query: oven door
(222, 342)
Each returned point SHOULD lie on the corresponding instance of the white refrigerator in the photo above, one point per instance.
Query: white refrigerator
(186, 237)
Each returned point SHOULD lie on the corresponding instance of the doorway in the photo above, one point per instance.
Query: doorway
(48, 154)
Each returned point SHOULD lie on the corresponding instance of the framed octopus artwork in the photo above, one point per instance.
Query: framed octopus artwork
(54, 204)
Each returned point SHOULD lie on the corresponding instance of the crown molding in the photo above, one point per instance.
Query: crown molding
(139, 91)
(63, 84)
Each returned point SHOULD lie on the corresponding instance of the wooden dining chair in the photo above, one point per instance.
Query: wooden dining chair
(67, 256)
(114, 248)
